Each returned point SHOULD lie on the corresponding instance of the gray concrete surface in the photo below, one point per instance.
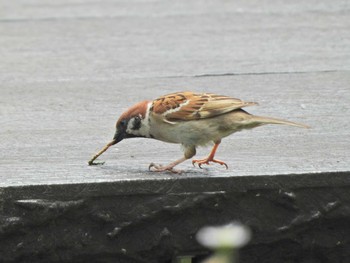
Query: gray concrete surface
(69, 68)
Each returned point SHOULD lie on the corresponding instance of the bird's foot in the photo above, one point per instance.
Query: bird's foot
(207, 161)
(160, 168)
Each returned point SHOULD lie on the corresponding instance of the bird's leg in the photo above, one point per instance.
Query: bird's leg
(210, 158)
(190, 151)
(170, 167)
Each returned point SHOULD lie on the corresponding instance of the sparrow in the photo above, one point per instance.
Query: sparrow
(190, 119)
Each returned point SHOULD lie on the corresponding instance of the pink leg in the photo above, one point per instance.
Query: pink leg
(210, 158)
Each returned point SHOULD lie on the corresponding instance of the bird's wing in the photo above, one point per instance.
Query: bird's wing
(185, 106)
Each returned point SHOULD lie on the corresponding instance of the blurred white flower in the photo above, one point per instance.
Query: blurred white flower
(233, 235)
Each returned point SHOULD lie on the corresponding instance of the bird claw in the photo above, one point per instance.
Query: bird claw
(153, 165)
(160, 168)
(207, 162)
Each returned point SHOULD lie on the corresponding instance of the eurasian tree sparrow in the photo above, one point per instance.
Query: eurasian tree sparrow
(188, 118)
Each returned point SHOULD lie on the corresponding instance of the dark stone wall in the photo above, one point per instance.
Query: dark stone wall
(294, 218)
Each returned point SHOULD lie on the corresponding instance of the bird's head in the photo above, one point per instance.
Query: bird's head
(133, 123)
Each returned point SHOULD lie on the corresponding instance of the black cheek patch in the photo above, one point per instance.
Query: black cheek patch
(136, 123)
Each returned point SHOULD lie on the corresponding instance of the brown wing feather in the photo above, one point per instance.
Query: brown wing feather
(169, 102)
(184, 106)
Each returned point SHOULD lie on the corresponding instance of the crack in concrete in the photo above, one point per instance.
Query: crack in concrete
(255, 73)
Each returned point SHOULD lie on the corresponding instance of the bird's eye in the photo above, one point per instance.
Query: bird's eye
(123, 123)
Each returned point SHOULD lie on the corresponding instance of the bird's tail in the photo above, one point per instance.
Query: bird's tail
(267, 120)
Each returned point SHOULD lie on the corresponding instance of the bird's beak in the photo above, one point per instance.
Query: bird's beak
(118, 136)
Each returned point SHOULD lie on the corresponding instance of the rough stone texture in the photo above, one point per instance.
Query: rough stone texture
(69, 68)
(295, 218)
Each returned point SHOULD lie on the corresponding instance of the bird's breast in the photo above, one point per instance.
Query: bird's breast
(196, 132)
